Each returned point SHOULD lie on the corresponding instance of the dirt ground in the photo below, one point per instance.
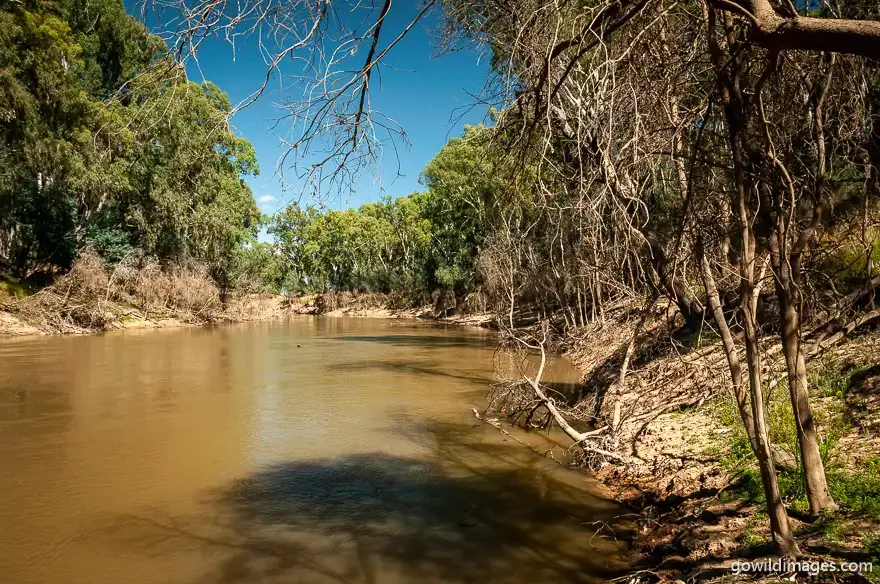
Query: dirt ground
(240, 309)
(693, 523)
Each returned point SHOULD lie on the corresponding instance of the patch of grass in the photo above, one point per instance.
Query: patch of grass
(739, 452)
(12, 289)
(859, 492)
(848, 262)
(856, 493)
(780, 418)
(831, 530)
(735, 451)
(871, 543)
(792, 488)
(830, 380)
(748, 488)
(750, 538)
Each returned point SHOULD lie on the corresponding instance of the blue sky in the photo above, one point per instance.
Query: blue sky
(426, 94)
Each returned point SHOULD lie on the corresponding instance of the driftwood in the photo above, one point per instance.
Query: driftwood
(582, 440)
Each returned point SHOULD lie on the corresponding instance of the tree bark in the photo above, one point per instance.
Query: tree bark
(740, 394)
(728, 69)
(808, 440)
(774, 31)
(779, 524)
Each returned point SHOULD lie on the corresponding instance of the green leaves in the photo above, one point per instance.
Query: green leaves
(413, 244)
(462, 203)
(106, 142)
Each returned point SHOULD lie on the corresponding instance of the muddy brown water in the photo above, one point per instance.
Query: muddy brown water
(232, 455)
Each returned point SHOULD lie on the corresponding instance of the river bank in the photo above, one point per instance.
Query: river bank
(245, 309)
(372, 305)
(77, 304)
(685, 464)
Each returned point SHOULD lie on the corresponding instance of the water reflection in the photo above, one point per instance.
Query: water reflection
(476, 512)
(301, 451)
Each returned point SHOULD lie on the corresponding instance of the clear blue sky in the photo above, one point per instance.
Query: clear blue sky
(419, 90)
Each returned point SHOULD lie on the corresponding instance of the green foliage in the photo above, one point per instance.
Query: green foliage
(413, 244)
(750, 537)
(105, 143)
(111, 243)
(13, 289)
(781, 423)
(871, 544)
(462, 204)
(847, 265)
(831, 530)
(858, 492)
(258, 268)
(379, 247)
(736, 452)
(871, 541)
(829, 380)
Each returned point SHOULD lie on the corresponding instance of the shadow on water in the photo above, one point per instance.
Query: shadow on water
(477, 511)
(410, 366)
(423, 341)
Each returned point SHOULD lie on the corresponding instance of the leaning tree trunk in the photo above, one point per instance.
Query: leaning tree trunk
(779, 525)
(818, 494)
(740, 393)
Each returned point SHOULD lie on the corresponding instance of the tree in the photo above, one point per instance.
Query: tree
(106, 143)
(462, 203)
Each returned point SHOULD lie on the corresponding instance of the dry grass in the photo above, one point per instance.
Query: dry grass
(474, 303)
(88, 298)
(330, 301)
(184, 289)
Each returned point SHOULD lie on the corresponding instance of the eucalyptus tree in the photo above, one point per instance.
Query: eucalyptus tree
(107, 143)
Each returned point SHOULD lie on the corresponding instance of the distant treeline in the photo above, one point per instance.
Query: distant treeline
(412, 245)
(105, 143)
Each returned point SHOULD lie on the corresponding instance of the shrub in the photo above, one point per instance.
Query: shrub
(88, 298)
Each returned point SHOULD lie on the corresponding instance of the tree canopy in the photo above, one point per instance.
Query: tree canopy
(106, 143)
(415, 244)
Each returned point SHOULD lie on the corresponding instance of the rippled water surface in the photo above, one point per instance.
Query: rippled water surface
(315, 450)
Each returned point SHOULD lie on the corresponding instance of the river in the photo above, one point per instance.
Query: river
(325, 450)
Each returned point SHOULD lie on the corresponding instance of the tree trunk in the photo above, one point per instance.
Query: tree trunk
(740, 394)
(735, 112)
(779, 525)
(814, 470)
